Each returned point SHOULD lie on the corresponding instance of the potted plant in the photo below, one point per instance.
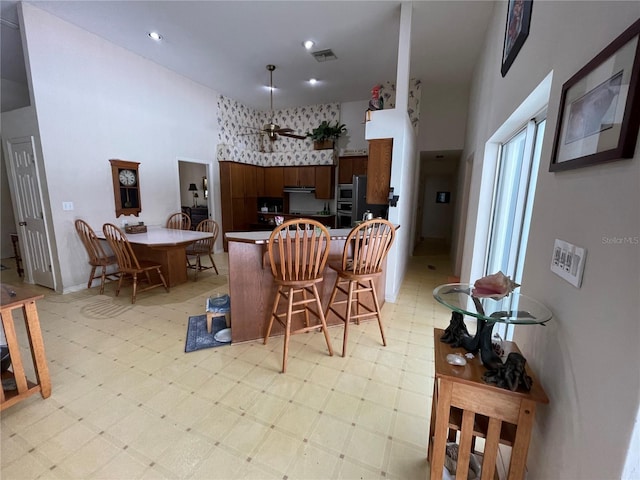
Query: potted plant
(325, 134)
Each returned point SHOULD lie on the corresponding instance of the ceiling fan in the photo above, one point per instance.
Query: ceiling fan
(271, 129)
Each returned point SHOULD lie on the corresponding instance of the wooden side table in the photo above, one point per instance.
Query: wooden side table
(463, 402)
(13, 298)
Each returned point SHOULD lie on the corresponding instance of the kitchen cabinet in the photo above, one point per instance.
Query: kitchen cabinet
(238, 192)
(350, 166)
(260, 181)
(299, 176)
(273, 181)
(325, 184)
(379, 170)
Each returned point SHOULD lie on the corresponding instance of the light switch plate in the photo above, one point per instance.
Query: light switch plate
(67, 206)
(567, 261)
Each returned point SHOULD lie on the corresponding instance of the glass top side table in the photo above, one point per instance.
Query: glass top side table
(514, 308)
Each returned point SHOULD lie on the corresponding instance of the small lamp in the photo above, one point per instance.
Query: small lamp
(194, 189)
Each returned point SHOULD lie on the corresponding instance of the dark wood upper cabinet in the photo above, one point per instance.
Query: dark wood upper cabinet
(273, 181)
(325, 185)
(299, 176)
(379, 170)
(350, 166)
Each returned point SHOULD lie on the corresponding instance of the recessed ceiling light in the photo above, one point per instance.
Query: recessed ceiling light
(155, 36)
(308, 44)
(313, 81)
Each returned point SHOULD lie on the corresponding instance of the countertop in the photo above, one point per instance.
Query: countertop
(261, 238)
(299, 214)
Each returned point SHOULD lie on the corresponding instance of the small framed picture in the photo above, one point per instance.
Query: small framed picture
(516, 31)
(598, 117)
(443, 197)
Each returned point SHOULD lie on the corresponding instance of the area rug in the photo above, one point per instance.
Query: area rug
(197, 335)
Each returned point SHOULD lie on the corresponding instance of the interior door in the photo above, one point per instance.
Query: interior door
(29, 211)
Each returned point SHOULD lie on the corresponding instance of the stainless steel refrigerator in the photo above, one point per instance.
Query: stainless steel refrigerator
(360, 205)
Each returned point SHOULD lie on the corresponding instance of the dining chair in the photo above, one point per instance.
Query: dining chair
(298, 251)
(97, 255)
(203, 247)
(179, 221)
(129, 264)
(365, 249)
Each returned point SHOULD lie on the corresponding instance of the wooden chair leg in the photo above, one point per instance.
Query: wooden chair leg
(347, 318)
(135, 288)
(306, 310)
(274, 311)
(213, 264)
(287, 331)
(323, 320)
(378, 313)
(93, 271)
(103, 279)
(121, 277)
(163, 280)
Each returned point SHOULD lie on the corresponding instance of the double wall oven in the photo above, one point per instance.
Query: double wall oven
(344, 209)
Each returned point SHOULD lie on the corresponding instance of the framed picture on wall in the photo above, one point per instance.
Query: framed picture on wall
(599, 110)
(443, 197)
(516, 31)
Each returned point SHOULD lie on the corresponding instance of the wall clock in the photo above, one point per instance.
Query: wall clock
(126, 187)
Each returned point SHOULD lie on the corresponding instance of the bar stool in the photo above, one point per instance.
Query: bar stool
(364, 252)
(298, 251)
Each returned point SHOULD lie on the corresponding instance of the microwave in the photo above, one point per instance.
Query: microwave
(345, 192)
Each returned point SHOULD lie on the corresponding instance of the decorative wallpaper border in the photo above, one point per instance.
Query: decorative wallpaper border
(239, 140)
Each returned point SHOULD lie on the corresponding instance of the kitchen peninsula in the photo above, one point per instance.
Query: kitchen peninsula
(252, 289)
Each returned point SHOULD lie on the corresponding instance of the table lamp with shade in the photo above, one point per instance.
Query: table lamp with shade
(194, 189)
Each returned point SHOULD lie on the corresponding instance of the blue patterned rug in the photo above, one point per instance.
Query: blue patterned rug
(197, 335)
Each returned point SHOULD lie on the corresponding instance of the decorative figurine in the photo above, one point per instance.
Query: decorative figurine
(456, 331)
(511, 374)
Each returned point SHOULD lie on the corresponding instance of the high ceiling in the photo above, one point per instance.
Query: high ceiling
(226, 45)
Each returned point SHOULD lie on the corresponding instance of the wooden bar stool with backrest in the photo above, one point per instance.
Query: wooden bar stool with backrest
(203, 247)
(364, 252)
(129, 263)
(179, 221)
(298, 251)
(97, 255)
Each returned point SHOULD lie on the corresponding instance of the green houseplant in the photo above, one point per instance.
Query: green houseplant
(325, 134)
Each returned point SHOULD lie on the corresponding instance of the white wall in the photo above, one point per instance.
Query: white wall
(437, 218)
(587, 355)
(443, 115)
(352, 115)
(96, 101)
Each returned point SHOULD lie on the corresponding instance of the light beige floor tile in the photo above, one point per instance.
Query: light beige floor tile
(67, 442)
(150, 411)
(184, 455)
(89, 457)
(123, 465)
(312, 462)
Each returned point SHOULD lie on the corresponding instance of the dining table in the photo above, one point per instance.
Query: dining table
(165, 246)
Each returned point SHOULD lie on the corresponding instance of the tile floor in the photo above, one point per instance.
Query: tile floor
(128, 403)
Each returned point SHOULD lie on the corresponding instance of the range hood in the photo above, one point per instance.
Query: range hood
(299, 189)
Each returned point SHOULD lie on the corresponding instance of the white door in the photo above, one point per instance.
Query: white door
(29, 211)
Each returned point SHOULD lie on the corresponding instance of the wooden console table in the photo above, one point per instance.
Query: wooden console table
(463, 402)
(13, 298)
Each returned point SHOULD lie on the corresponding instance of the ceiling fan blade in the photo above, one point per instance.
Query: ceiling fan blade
(292, 135)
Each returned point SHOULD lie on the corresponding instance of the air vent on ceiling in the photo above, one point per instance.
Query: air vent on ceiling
(324, 55)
